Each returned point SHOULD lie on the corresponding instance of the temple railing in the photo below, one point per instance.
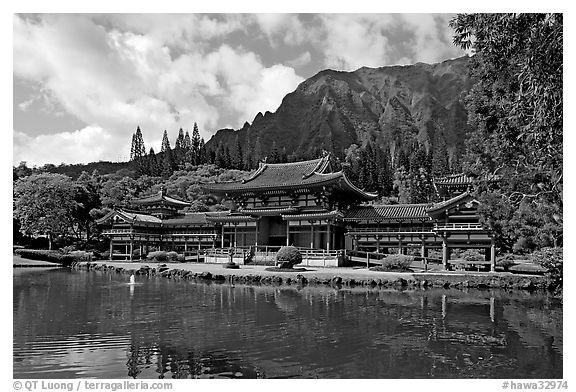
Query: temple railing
(458, 226)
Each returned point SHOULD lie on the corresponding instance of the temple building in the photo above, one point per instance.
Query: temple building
(305, 204)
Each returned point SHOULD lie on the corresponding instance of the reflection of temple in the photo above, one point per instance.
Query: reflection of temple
(308, 205)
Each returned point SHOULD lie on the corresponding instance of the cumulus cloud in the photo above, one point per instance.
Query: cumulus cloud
(84, 145)
(115, 74)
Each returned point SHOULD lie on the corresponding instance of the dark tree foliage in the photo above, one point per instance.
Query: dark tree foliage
(195, 143)
(154, 169)
(515, 111)
(168, 163)
(138, 152)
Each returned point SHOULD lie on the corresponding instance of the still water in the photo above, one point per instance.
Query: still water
(90, 324)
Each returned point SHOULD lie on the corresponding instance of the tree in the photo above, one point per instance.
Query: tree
(138, 152)
(515, 110)
(168, 164)
(88, 199)
(195, 142)
(45, 204)
(153, 166)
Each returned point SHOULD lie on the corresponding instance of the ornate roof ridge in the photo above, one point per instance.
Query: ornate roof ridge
(443, 204)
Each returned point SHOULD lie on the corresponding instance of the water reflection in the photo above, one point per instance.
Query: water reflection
(89, 324)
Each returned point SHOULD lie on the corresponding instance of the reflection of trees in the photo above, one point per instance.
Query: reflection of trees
(182, 329)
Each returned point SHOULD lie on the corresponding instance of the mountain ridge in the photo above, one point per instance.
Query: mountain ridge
(393, 106)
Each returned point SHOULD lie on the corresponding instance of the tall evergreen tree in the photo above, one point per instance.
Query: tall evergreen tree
(195, 142)
(202, 159)
(153, 168)
(138, 152)
(168, 163)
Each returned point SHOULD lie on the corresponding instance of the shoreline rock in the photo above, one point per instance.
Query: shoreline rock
(411, 281)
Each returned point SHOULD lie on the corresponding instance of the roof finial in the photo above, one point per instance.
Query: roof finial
(162, 191)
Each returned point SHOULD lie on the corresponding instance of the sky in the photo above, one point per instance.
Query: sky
(82, 83)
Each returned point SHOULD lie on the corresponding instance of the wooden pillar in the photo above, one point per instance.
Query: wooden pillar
(222, 239)
(236, 235)
(287, 233)
(378, 243)
(311, 235)
(355, 242)
(328, 239)
(131, 247)
(185, 245)
(256, 242)
(445, 253)
(399, 245)
(424, 254)
(492, 309)
(492, 255)
(111, 247)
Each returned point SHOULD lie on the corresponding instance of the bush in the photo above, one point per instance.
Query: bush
(105, 255)
(52, 256)
(288, 257)
(172, 256)
(506, 261)
(397, 262)
(157, 256)
(81, 255)
(472, 255)
(551, 259)
(136, 254)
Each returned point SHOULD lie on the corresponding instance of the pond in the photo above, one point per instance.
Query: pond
(89, 324)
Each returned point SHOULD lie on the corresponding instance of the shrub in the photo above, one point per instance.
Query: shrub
(551, 259)
(288, 257)
(472, 255)
(157, 256)
(506, 261)
(397, 262)
(81, 255)
(136, 254)
(105, 255)
(171, 256)
(47, 255)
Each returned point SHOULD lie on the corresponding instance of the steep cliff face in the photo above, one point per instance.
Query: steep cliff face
(392, 106)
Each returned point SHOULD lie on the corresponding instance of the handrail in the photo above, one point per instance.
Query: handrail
(413, 229)
(458, 226)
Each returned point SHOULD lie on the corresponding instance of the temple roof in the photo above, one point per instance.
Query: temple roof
(130, 217)
(386, 212)
(460, 199)
(314, 215)
(161, 198)
(269, 211)
(463, 179)
(286, 176)
(191, 218)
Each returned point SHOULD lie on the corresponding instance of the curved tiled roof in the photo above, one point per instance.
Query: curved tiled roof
(388, 212)
(130, 217)
(161, 198)
(463, 179)
(284, 176)
(314, 215)
(450, 202)
(269, 211)
(192, 218)
(230, 218)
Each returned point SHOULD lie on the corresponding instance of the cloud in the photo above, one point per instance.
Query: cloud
(301, 60)
(285, 28)
(114, 74)
(84, 145)
(351, 41)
